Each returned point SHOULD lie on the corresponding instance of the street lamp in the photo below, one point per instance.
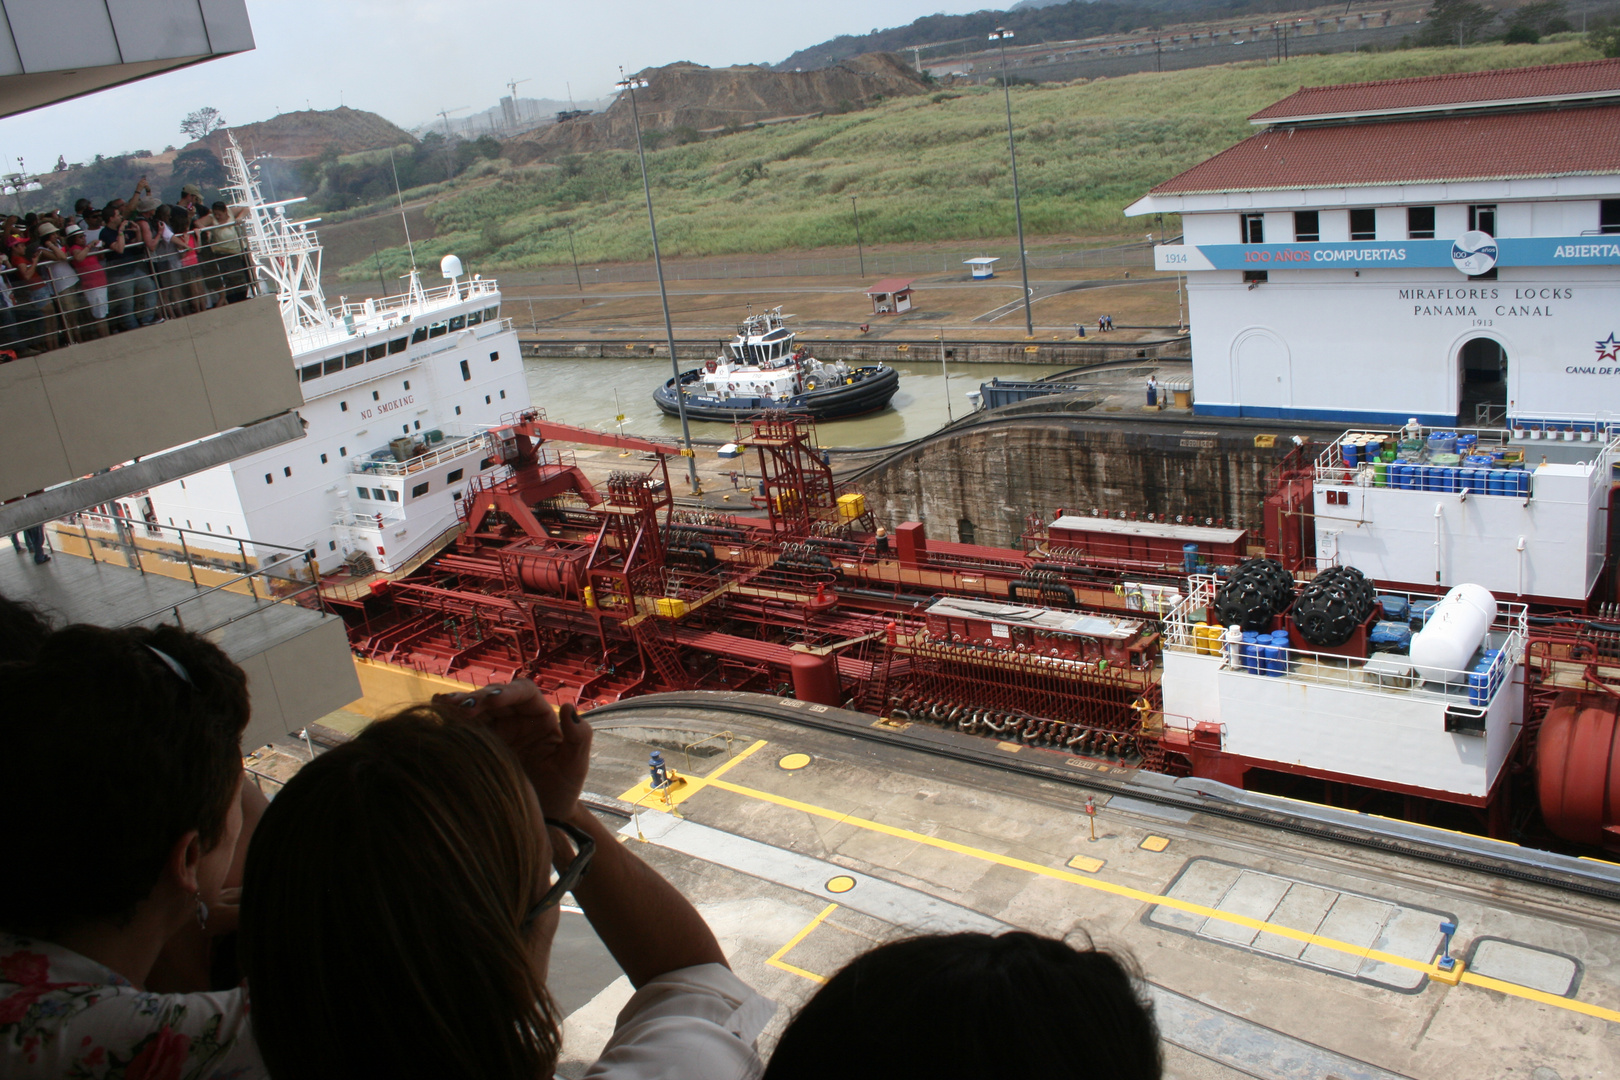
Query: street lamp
(630, 85)
(858, 249)
(1000, 36)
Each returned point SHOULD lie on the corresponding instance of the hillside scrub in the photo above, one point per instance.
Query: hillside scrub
(922, 169)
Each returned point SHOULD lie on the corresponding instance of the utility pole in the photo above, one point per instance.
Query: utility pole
(1000, 36)
(631, 85)
(859, 251)
(575, 256)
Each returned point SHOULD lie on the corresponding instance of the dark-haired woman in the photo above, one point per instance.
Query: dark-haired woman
(121, 781)
(399, 908)
(974, 1007)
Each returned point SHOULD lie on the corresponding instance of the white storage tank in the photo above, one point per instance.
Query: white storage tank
(1452, 634)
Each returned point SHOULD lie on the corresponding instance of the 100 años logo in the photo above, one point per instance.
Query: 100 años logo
(1474, 252)
(1607, 350)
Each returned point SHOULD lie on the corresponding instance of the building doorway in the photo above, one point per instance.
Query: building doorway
(1482, 371)
(1262, 375)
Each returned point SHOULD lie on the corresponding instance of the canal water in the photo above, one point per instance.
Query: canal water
(581, 391)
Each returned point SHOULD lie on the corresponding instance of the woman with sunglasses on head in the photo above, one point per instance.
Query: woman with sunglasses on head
(403, 890)
(121, 783)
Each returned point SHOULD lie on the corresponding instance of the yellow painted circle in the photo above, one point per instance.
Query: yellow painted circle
(793, 761)
(841, 884)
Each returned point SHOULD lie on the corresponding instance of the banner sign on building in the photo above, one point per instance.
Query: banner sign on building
(1413, 254)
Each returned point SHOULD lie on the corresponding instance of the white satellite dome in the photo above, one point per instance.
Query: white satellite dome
(450, 267)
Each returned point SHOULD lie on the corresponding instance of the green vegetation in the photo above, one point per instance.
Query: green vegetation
(924, 168)
(335, 181)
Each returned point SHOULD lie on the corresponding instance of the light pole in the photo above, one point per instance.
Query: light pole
(573, 254)
(860, 251)
(630, 85)
(1000, 36)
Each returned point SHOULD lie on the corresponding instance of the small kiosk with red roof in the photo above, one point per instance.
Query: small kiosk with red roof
(891, 296)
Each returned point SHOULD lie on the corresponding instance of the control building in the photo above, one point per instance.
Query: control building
(1444, 247)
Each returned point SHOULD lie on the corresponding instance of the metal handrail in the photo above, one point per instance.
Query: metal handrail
(450, 448)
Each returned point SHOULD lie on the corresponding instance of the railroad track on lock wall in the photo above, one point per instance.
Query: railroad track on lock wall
(1588, 876)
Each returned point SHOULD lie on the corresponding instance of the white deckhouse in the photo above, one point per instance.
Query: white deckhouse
(1446, 248)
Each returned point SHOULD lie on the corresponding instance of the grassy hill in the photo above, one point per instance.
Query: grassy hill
(926, 168)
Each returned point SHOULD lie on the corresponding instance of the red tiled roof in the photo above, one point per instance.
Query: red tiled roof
(1480, 146)
(1439, 91)
(891, 285)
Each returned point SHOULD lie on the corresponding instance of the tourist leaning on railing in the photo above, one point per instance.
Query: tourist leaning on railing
(399, 910)
(121, 778)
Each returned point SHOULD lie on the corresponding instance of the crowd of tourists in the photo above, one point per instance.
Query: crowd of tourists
(392, 911)
(71, 277)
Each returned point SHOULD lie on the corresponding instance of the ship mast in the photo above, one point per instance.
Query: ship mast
(287, 252)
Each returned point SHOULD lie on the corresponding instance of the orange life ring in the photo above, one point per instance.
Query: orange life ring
(711, 366)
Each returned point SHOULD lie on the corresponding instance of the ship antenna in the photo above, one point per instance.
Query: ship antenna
(409, 247)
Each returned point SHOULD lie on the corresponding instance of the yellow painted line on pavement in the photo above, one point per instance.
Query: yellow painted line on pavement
(691, 785)
(1144, 897)
(776, 960)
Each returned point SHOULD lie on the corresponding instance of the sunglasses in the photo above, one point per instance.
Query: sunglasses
(584, 848)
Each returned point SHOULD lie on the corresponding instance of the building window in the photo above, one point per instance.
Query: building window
(419, 335)
(1489, 275)
(323, 459)
(485, 463)
(436, 330)
(343, 451)
(1255, 277)
(486, 399)
(396, 346)
(343, 406)
(393, 496)
(209, 526)
(377, 494)
(458, 410)
(267, 479)
(474, 318)
(419, 490)
(1364, 224)
(332, 366)
(490, 313)
(182, 485)
(466, 372)
(1609, 216)
(494, 356)
(1482, 218)
(407, 384)
(1420, 223)
(376, 395)
(453, 476)
(503, 395)
(404, 429)
(286, 470)
(1307, 226)
(377, 351)
(310, 371)
(362, 493)
(331, 545)
(418, 424)
(355, 359)
(171, 521)
(228, 531)
(458, 323)
(1253, 228)
(964, 527)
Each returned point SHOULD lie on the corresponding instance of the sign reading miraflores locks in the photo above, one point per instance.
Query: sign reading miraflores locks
(1415, 254)
(1484, 300)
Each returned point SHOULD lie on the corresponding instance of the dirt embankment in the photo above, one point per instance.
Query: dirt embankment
(307, 133)
(709, 99)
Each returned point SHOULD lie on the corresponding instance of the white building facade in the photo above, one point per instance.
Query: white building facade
(1444, 247)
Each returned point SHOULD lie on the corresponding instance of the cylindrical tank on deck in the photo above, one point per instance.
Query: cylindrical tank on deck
(1578, 769)
(540, 573)
(815, 678)
(1452, 633)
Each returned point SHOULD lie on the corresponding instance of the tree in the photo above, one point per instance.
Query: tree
(202, 123)
(1455, 22)
(199, 166)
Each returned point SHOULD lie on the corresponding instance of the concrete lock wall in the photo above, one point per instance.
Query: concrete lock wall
(871, 351)
(89, 407)
(994, 475)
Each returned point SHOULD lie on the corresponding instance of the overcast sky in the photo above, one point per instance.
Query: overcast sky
(407, 59)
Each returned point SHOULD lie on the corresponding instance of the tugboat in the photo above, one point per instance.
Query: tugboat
(764, 369)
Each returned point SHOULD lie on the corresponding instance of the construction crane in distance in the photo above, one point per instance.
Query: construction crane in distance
(511, 86)
(444, 114)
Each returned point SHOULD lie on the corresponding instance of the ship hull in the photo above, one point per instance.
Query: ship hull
(869, 393)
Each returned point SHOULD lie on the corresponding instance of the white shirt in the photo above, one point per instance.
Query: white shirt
(698, 1023)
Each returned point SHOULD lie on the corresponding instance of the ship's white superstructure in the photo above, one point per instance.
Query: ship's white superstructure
(398, 395)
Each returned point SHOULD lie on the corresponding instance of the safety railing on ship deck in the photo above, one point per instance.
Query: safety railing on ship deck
(440, 452)
(1380, 673)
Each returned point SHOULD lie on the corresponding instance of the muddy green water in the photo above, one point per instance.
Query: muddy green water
(582, 392)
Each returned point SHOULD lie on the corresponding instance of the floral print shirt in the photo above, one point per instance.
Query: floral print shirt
(65, 1016)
